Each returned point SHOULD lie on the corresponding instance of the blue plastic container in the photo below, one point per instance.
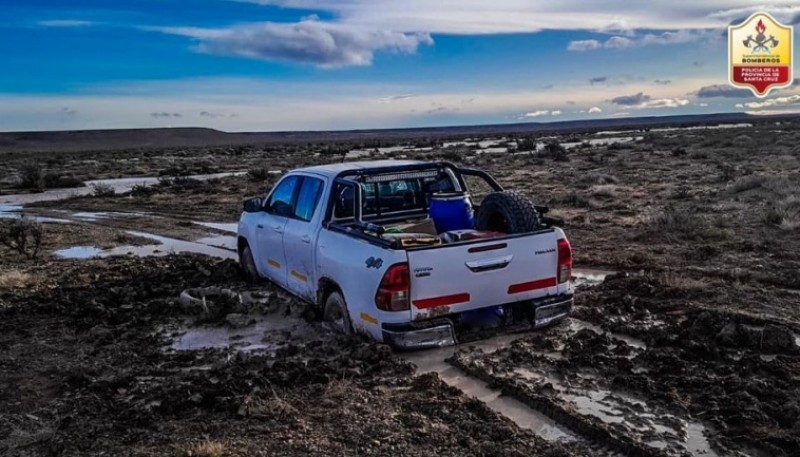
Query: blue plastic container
(451, 211)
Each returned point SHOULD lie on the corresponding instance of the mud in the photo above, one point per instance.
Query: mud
(100, 358)
(684, 339)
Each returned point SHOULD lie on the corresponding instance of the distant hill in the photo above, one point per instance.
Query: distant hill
(88, 140)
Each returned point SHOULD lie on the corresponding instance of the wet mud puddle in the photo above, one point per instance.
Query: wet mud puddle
(261, 334)
(626, 414)
(433, 360)
(223, 246)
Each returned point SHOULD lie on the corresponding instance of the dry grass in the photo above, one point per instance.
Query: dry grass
(259, 404)
(339, 389)
(674, 224)
(596, 179)
(785, 213)
(206, 448)
(15, 279)
(609, 191)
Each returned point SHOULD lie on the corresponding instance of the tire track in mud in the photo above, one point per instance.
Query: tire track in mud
(592, 430)
(538, 413)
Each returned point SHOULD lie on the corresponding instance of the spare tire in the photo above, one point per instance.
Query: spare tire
(507, 212)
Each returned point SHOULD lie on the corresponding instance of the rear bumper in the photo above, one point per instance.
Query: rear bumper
(441, 331)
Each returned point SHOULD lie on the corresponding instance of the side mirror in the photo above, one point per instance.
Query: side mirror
(253, 205)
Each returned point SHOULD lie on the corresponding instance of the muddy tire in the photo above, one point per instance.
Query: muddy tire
(507, 212)
(248, 264)
(336, 314)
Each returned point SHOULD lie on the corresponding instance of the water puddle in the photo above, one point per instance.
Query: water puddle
(601, 141)
(79, 252)
(433, 360)
(223, 247)
(119, 185)
(231, 227)
(630, 415)
(266, 333)
(100, 215)
(16, 212)
(590, 276)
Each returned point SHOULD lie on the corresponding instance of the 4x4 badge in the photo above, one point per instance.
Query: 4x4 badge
(372, 262)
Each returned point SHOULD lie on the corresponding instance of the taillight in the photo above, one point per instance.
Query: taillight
(393, 291)
(564, 261)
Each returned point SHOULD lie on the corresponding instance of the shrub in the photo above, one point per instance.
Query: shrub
(141, 190)
(592, 179)
(103, 190)
(31, 177)
(684, 224)
(22, 235)
(784, 213)
(526, 144)
(258, 174)
(52, 181)
(554, 150)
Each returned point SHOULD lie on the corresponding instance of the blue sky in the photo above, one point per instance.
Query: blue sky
(300, 64)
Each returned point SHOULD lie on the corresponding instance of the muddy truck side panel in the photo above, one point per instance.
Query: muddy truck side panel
(411, 295)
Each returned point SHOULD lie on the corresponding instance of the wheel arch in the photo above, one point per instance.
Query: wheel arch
(325, 286)
(241, 242)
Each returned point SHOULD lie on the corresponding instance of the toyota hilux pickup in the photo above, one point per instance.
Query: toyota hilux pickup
(401, 251)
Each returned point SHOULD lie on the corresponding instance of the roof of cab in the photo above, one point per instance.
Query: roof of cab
(335, 169)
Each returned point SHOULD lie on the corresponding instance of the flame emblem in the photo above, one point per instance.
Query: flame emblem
(760, 44)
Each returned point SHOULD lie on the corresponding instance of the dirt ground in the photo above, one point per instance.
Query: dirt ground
(691, 350)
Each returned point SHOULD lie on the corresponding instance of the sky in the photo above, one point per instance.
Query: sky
(271, 65)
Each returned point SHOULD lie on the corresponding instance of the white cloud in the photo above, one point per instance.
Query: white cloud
(595, 109)
(262, 105)
(583, 45)
(517, 16)
(640, 100)
(781, 13)
(664, 103)
(538, 113)
(788, 100)
(637, 41)
(324, 44)
(64, 23)
(773, 112)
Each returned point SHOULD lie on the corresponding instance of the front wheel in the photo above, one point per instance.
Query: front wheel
(336, 313)
(248, 264)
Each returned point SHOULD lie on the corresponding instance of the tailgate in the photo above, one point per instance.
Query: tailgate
(461, 277)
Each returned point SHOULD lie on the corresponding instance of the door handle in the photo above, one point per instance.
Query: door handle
(278, 228)
(306, 239)
(259, 226)
(489, 264)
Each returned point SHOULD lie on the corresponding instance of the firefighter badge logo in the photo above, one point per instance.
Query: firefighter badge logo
(760, 54)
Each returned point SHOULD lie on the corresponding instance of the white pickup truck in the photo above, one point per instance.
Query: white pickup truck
(400, 250)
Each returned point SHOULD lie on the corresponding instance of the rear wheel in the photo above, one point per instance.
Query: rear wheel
(336, 313)
(248, 264)
(507, 212)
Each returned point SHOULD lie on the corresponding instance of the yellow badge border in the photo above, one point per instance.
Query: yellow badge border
(769, 88)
